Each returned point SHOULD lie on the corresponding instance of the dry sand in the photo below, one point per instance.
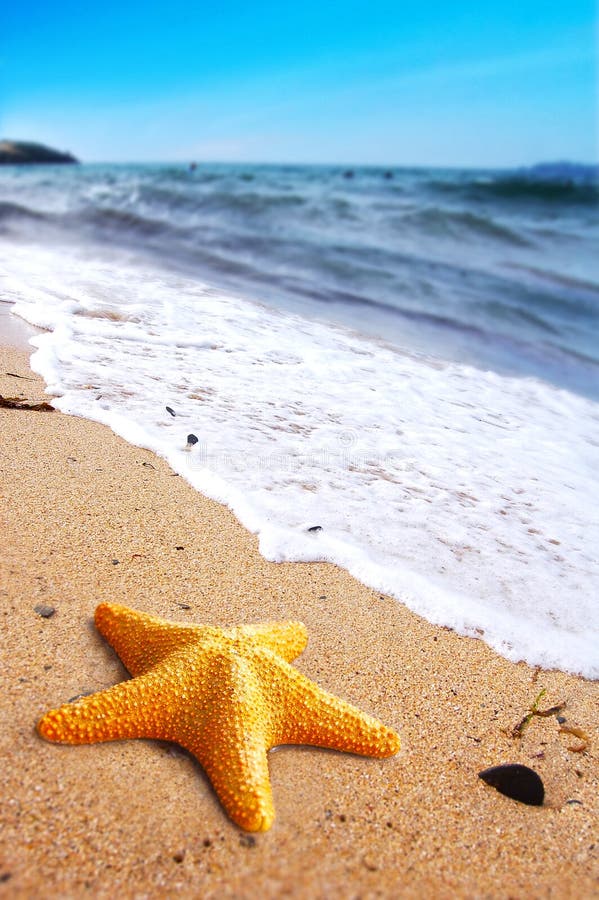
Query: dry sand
(87, 518)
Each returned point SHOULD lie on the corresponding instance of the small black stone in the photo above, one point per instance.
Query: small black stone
(314, 528)
(561, 720)
(170, 410)
(247, 840)
(115, 562)
(179, 547)
(191, 440)
(516, 781)
(46, 612)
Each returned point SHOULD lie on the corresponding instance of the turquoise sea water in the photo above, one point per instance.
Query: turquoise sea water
(495, 268)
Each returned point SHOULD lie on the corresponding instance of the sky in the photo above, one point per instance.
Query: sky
(498, 83)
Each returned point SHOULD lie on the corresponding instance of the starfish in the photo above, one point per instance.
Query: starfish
(228, 695)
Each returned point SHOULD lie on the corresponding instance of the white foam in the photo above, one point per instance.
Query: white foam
(471, 497)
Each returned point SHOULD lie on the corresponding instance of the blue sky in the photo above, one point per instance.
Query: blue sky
(446, 83)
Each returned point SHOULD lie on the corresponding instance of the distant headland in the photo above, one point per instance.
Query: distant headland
(27, 152)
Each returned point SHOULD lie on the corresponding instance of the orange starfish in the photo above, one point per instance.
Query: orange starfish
(228, 695)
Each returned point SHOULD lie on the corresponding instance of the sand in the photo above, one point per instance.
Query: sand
(87, 518)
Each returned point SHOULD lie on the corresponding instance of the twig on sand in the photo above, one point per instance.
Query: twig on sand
(16, 375)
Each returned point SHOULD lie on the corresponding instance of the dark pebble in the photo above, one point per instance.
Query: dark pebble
(170, 410)
(178, 857)
(179, 547)
(516, 781)
(5, 876)
(191, 440)
(115, 562)
(46, 612)
(314, 528)
(561, 720)
(247, 840)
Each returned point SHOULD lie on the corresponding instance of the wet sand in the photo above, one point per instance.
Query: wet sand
(88, 518)
(15, 332)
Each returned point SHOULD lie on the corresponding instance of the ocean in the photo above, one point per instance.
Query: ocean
(395, 370)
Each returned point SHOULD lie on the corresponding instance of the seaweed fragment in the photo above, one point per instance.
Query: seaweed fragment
(16, 403)
(579, 733)
(518, 729)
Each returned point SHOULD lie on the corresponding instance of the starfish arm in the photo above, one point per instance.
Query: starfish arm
(286, 639)
(143, 641)
(236, 763)
(313, 716)
(127, 710)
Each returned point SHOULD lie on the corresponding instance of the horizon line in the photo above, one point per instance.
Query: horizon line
(337, 164)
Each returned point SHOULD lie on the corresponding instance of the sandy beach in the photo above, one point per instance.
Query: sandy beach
(88, 518)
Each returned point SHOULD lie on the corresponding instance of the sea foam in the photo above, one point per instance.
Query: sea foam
(469, 496)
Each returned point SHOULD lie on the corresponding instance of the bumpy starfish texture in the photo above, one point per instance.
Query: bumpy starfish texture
(228, 695)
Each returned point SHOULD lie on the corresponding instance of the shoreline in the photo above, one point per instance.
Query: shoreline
(14, 331)
(88, 518)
